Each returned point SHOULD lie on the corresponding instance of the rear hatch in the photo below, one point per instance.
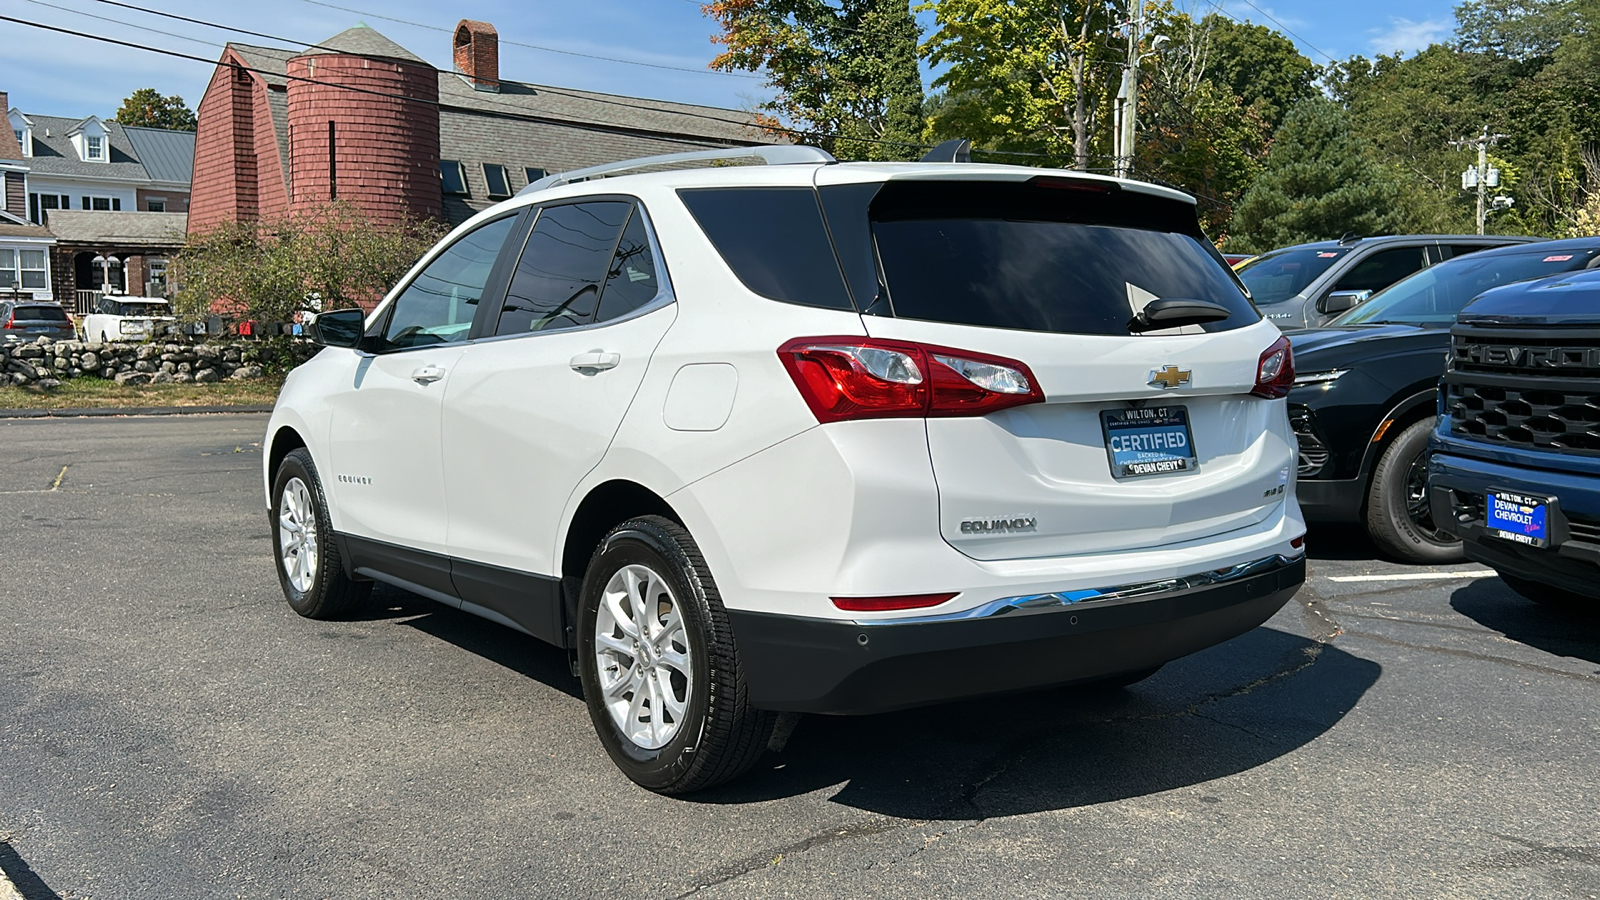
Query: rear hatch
(1147, 437)
(36, 319)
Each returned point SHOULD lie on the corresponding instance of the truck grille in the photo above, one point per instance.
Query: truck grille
(1531, 388)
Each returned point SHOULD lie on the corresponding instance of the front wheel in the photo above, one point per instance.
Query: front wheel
(1399, 519)
(309, 566)
(659, 666)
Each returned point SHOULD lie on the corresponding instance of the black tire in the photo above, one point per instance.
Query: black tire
(330, 593)
(1398, 518)
(1547, 596)
(720, 736)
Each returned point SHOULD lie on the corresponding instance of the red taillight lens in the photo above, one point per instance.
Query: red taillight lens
(1275, 371)
(11, 322)
(844, 378)
(886, 604)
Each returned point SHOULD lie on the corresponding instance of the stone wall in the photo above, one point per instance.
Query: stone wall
(47, 363)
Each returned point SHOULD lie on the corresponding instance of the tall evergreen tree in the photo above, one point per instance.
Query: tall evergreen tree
(1320, 181)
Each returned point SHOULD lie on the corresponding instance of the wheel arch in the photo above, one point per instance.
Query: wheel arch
(1411, 408)
(605, 506)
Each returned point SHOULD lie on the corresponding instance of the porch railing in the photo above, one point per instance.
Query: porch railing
(85, 303)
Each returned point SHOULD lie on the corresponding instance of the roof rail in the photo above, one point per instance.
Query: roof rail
(771, 154)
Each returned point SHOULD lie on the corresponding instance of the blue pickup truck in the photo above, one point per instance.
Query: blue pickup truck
(1515, 464)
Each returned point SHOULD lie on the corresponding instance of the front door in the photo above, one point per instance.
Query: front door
(385, 446)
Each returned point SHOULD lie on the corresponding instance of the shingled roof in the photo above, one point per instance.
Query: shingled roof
(143, 229)
(53, 153)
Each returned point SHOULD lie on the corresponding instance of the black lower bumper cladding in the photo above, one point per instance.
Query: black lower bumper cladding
(828, 666)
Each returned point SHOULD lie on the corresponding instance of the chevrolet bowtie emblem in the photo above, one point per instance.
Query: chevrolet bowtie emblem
(1168, 377)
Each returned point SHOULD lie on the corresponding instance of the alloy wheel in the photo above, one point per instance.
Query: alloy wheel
(297, 535)
(642, 657)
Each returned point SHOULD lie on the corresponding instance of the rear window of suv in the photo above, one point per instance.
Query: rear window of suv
(1039, 257)
(42, 313)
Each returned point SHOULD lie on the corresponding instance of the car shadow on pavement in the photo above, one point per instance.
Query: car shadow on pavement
(526, 655)
(1214, 714)
(1556, 630)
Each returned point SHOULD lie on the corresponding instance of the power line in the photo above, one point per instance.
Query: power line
(1218, 7)
(631, 62)
(79, 12)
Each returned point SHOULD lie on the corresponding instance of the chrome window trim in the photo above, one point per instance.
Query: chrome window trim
(1136, 592)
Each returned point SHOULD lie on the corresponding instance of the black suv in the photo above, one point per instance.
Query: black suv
(1364, 397)
(1308, 284)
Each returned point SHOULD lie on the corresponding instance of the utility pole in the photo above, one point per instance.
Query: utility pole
(1127, 105)
(1481, 176)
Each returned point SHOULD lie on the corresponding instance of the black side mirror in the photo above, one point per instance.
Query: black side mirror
(338, 328)
(1339, 301)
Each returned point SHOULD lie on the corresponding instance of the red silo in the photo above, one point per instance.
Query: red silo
(364, 128)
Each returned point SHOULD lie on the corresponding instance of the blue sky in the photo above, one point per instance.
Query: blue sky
(54, 74)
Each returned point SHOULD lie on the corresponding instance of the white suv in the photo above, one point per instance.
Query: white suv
(804, 437)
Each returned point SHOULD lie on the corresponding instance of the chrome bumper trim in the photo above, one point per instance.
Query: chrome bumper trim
(1033, 604)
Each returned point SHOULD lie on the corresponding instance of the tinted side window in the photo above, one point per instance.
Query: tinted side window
(774, 241)
(631, 281)
(1381, 269)
(558, 279)
(437, 307)
(1463, 249)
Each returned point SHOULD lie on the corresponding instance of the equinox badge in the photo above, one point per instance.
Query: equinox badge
(1168, 377)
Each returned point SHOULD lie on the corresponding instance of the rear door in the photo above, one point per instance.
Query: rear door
(533, 409)
(1051, 275)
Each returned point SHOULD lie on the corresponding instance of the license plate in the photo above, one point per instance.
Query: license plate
(40, 330)
(1154, 440)
(1520, 518)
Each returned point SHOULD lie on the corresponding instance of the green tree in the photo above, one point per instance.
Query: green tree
(146, 108)
(1320, 181)
(845, 73)
(1028, 75)
(1258, 65)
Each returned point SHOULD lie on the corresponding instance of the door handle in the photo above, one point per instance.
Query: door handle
(427, 374)
(596, 360)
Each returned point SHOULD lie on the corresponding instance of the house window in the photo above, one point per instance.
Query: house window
(155, 204)
(495, 175)
(95, 146)
(102, 203)
(18, 133)
(38, 203)
(533, 174)
(454, 176)
(24, 268)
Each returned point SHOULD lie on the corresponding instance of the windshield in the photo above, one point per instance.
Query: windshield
(1275, 277)
(1434, 295)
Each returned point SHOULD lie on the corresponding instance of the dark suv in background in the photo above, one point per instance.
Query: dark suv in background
(28, 320)
(1515, 469)
(1365, 393)
(1309, 284)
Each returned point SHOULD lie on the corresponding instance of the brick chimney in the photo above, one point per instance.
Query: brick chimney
(477, 54)
(10, 148)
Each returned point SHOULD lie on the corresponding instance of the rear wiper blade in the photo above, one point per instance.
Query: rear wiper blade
(1172, 312)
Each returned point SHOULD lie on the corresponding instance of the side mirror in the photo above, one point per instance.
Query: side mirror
(338, 328)
(1339, 301)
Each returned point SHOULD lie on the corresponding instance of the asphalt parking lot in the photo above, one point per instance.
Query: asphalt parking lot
(169, 728)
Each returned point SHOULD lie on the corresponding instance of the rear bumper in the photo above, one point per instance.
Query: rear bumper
(803, 664)
(1457, 487)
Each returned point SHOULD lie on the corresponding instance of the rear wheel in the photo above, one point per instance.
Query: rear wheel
(309, 566)
(658, 663)
(1398, 516)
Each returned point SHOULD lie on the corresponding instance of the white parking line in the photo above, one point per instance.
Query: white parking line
(1413, 576)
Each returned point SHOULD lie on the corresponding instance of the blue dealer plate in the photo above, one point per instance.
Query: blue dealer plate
(1518, 517)
(1155, 440)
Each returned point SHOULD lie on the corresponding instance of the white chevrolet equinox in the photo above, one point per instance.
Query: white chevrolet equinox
(803, 437)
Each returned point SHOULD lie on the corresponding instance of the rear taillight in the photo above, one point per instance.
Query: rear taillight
(845, 378)
(1275, 371)
(11, 323)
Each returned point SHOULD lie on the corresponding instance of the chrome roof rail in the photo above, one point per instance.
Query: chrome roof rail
(771, 154)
